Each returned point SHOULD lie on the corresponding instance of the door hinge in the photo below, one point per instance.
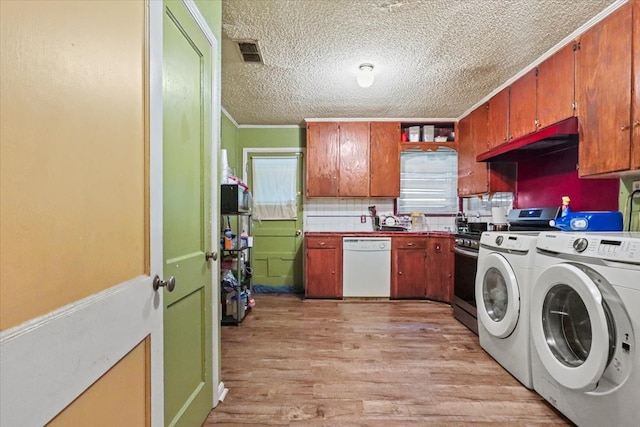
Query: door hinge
(537, 71)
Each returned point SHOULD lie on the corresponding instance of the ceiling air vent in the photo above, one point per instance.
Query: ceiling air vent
(250, 51)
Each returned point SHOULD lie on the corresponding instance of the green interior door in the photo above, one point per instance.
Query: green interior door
(186, 218)
(277, 250)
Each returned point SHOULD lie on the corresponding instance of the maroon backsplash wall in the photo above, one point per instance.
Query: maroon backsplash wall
(542, 181)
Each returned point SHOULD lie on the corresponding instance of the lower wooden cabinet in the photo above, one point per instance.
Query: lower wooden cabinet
(440, 269)
(408, 267)
(421, 267)
(323, 266)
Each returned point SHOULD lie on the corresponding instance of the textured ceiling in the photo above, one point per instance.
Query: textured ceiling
(432, 58)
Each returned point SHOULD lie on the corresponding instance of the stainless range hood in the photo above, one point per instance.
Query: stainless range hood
(558, 136)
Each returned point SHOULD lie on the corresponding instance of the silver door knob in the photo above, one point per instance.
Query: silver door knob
(298, 232)
(211, 256)
(169, 284)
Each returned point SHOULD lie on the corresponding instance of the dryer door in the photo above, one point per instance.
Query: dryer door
(571, 327)
(497, 296)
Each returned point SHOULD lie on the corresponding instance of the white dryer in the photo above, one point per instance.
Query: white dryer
(503, 286)
(585, 314)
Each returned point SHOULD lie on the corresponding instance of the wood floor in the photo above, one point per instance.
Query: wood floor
(362, 363)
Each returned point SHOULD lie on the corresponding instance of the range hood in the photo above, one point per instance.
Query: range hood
(555, 137)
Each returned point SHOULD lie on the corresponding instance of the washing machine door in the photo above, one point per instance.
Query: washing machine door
(497, 296)
(571, 327)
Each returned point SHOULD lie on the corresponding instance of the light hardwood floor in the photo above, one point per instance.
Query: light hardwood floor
(365, 363)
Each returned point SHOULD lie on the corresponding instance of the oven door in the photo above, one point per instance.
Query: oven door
(464, 287)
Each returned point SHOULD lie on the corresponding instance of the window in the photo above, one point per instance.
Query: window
(429, 182)
(274, 187)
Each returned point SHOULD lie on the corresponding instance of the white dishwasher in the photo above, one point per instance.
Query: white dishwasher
(366, 266)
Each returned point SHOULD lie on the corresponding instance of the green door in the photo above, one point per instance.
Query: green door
(277, 250)
(186, 218)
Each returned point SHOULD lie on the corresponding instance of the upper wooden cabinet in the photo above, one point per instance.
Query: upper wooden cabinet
(353, 175)
(544, 95)
(479, 177)
(337, 159)
(323, 152)
(604, 92)
(556, 87)
(384, 160)
(498, 119)
(522, 105)
(353, 159)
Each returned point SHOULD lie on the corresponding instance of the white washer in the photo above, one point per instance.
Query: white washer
(503, 286)
(585, 314)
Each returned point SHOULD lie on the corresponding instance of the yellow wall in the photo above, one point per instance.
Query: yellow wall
(72, 152)
(125, 385)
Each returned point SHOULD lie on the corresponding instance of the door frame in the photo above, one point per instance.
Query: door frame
(156, 12)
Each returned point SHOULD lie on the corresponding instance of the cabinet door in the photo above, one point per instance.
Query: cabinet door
(408, 267)
(522, 105)
(498, 119)
(635, 107)
(385, 160)
(439, 269)
(603, 95)
(556, 85)
(323, 267)
(472, 140)
(353, 178)
(322, 159)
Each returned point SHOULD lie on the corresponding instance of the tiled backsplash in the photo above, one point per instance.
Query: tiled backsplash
(345, 215)
(478, 209)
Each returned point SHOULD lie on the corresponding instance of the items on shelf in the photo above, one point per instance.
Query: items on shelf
(235, 271)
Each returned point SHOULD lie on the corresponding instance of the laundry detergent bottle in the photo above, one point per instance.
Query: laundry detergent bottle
(565, 206)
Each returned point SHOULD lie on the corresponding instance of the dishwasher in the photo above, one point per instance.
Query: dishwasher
(366, 266)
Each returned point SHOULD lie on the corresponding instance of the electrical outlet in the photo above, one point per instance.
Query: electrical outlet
(363, 219)
(636, 186)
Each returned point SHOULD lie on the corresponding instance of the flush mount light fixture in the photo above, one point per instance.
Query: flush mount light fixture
(365, 75)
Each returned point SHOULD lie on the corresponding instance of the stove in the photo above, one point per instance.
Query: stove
(467, 245)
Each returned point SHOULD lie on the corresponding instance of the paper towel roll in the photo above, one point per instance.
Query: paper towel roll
(499, 215)
(224, 167)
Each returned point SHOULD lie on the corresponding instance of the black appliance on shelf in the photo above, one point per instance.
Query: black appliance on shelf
(234, 199)
(467, 246)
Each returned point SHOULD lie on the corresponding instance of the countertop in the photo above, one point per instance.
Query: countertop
(379, 233)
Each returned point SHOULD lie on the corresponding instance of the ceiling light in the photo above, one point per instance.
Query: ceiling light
(365, 75)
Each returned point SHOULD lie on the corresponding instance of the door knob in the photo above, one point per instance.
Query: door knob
(636, 123)
(209, 256)
(169, 284)
(625, 127)
(298, 232)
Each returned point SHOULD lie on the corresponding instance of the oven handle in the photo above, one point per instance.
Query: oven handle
(465, 252)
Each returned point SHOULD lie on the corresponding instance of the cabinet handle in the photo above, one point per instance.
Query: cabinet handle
(322, 243)
(625, 127)
(636, 123)
(410, 244)
(333, 272)
(400, 273)
(438, 248)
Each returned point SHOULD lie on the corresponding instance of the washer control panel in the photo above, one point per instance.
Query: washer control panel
(623, 247)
